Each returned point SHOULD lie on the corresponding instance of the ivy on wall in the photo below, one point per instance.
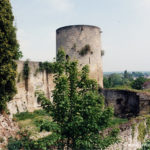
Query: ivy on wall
(26, 70)
(85, 50)
(102, 52)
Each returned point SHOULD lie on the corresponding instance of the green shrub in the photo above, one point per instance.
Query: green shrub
(146, 145)
(14, 144)
(29, 115)
(138, 83)
(86, 49)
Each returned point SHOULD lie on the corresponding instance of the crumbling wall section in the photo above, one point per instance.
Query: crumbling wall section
(132, 135)
(25, 99)
(127, 103)
(8, 129)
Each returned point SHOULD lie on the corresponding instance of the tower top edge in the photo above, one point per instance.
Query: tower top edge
(77, 26)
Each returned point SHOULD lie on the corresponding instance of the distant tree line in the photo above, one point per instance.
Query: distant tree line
(133, 80)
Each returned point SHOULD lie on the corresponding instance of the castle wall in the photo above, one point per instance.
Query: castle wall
(74, 38)
(131, 135)
(25, 99)
(127, 103)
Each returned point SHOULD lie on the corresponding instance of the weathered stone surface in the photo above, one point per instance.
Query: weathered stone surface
(146, 85)
(8, 129)
(129, 136)
(74, 38)
(25, 99)
(127, 103)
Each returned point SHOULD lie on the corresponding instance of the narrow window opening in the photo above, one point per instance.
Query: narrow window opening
(81, 28)
(89, 60)
(67, 57)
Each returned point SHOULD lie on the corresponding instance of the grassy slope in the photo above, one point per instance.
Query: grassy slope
(30, 122)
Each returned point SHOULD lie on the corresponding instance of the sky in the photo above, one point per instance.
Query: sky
(125, 25)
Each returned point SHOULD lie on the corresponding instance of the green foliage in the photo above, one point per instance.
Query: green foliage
(117, 121)
(24, 142)
(138, 74)
(1, 140)
(19, 77)
(77, 110)
(47, 66)
(54, 67)
(138, 83)
(133, 130)
(124, 80)
(148, 124)
(146, 145)
(29, 115)
(102, 52)
(9, 51)
(86, 49)
(113, 80)
(14, 144)
(106, 82)
(26, 70)
(141, 131)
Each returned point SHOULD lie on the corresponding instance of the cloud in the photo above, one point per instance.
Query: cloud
(59, 5)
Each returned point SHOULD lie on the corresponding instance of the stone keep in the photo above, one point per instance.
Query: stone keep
(75, 39)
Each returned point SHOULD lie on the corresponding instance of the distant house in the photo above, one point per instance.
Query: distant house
(146, 85)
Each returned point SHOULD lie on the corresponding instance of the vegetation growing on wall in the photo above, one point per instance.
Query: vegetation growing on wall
(102, 52)
(85, 50)
(141, 131)
(47, 66)
(9, 52)
(19, 77)
(53, 67)
(133, 130)
(148, 125)
(26, 70)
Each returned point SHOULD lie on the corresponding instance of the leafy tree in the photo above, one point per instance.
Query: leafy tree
(78, 111)
(125, 74)
(146, 145)
(106, 82)
(9, 52)
(115, 80)
(138, 83)
(137, 74)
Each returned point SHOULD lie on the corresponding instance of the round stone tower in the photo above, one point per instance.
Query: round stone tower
(82, 42)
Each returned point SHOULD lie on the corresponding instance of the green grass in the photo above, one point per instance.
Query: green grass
(29, 115)
(127, 88)
(117, 121)
(31, 121)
